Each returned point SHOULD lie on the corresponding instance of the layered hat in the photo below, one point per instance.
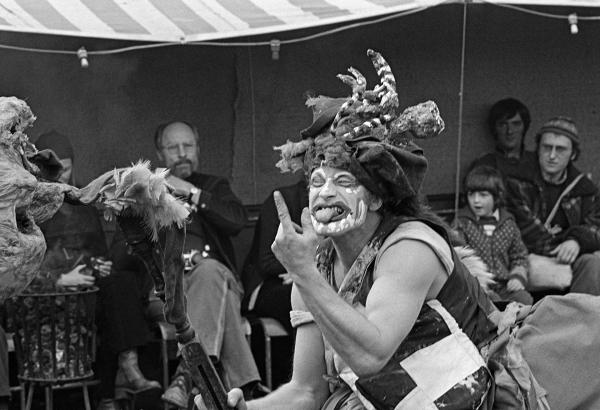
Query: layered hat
(563, 126)
(368, 137)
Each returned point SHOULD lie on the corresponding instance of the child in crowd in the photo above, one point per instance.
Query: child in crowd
(488, 228)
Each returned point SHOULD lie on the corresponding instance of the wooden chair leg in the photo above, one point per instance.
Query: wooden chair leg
(29, 396)
(268, 369)
(86, 396)
(23, 395)
(165, 368)
(48, 396)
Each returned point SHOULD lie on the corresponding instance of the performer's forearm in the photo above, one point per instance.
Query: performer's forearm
(356, 339)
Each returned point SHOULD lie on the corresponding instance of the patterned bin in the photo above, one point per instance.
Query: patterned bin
(54, 335)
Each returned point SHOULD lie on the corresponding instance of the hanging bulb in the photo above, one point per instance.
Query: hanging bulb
(275, 47)
(573, 23)
(82, 54)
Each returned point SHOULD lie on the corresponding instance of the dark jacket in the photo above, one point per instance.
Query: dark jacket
(508, 167)
(261, 263)
(525, 200)
(503, 252)
(73, 235)
(220, 215)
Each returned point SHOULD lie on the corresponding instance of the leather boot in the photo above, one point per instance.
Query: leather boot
(130, 377)
(108, 404)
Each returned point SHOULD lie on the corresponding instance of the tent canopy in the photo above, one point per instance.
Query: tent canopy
(203, 20)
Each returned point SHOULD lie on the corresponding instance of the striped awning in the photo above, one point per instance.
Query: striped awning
(200, 20)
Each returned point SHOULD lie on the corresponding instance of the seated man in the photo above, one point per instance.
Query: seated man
(213, 291)
(73, 235)
(508, 122)
(557, 208)
(266, 282)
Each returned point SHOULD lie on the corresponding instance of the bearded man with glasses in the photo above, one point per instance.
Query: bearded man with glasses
(212, 286)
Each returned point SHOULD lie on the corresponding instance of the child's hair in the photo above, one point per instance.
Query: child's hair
(485, 178)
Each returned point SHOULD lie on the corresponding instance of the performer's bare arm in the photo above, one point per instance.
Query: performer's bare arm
(408, 273)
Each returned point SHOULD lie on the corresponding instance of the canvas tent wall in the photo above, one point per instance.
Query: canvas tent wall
(245, 102)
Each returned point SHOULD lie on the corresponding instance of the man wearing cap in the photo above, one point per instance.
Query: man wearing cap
(212, 289)
(557, 208)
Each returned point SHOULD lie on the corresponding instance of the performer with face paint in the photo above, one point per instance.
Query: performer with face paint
(386, 314)
(379, 296)
(348, 212)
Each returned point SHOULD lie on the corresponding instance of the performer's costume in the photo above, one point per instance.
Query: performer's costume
(438, 363)
(462, 352)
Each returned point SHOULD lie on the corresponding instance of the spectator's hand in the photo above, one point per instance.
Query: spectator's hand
(75, 278)
(514, 285)
(286, 278)
(235, 400)
(182, 188)
(103, 267)
(567, 251)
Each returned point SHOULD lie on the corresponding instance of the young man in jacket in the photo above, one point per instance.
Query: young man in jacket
(557, 208)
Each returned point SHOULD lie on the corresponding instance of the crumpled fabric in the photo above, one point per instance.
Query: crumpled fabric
(515, 386)
(560, 341)
(547, 356)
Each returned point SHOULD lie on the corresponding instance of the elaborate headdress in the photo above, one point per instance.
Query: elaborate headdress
(370, 139)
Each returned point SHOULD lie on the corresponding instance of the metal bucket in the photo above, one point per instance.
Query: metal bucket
(54, 335)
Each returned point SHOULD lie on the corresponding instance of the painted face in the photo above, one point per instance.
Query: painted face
(179, 150)
(338, 203)
(481, 203)
(509, 133)
(554, 153)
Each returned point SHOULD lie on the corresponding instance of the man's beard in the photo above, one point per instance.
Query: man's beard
(183, 168)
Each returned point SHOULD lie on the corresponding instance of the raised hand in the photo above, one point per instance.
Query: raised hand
(294, 246)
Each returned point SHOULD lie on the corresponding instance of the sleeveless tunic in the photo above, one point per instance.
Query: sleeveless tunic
(438, 364)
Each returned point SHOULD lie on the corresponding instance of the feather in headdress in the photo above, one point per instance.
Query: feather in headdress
(292, 155)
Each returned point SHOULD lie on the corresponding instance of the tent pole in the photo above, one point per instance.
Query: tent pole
(253, 106)
(461, 97)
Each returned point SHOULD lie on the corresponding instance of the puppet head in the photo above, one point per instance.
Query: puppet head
(25, 200)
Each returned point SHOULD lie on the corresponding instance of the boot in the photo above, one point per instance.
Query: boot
(130, 377)
(108, 404)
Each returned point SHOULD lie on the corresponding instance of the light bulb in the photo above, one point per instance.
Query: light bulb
(275, 47)
(82, 54)
(573, 23)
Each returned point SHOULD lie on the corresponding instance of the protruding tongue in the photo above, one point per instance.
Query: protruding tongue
(325, 215)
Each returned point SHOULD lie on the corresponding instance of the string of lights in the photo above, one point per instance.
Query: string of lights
(537, 12)
(271, 43)
(276, 44)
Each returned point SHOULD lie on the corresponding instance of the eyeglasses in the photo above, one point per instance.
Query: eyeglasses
(175, 148)
(558, 150)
